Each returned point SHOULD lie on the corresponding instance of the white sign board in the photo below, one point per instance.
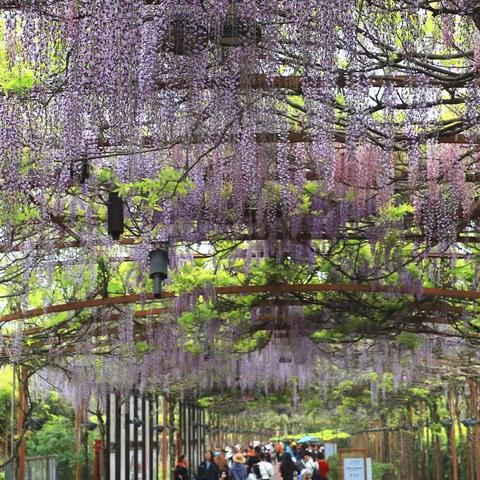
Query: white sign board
(330, 450)
(354, 469)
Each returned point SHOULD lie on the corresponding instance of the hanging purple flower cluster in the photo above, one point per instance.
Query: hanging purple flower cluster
(384, 367)
(275, 123)
(136, 86)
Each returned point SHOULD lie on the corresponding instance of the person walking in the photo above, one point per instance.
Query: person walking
(323, 467)
(208, 469)
(253, 461)
(306, 464)
(181, 470)
(265, 468)
(239, 470)
(221, 461)
(279, 449)
(287, 467)
(288, 449)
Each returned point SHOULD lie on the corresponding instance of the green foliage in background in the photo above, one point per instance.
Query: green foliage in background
(56, 437)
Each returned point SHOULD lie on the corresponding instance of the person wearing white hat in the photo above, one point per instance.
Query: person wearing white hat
(229, 456)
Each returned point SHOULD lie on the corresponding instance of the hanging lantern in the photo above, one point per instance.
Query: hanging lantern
(470, 422)
(158, 269)
(186, 36)
(447, 423)
(79, 173)
(237, 31)
(115, 215)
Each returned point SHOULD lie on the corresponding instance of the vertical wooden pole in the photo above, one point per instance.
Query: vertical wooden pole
(438, 458)
(106, 444)
(78, 440)
(164, 439)
(157, 434)
(98, 454)
(12, 417)
(144, 437)
(22, 408)
(128, 443)
(453, 438)
(412, 458)
(151, 423)
(476, 429)
(188, 421)
(135, 438)
(204, 442)
(172, 406)
(402, 458)
(422, 467)
(220, 434)
(118, 436)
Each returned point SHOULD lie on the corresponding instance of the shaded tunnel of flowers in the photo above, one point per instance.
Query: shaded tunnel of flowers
(214, 198)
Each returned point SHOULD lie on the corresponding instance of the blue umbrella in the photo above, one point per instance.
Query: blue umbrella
(308, 439)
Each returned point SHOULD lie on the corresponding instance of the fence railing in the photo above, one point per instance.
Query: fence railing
(41, 468)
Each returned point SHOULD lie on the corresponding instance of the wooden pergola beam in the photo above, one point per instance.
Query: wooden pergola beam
(231, 236)
(303, 137)
(274, 289)
(279, 331)
(296, 83)
(429, 309)
(149, 142)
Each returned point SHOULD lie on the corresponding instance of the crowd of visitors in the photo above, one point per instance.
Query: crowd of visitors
(297, 462)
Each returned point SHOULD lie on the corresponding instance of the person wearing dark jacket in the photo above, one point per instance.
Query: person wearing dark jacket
(181, 470)
(287, 467)
(253, 460)
(239, 470)
(208, 469)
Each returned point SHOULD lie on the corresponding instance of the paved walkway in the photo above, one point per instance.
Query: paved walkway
(277, 472)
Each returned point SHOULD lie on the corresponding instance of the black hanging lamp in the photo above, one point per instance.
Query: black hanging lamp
(186, 35)
(90, 426)
(115, 215)
(237, 31)
(447, 423)
(470, 422)
(79, 173)
(136, 422)
(158, 269)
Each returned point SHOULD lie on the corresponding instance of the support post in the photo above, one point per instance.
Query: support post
(12, 419)
(107, 448)
(164, 439)
(144, 437)
(476, 429)
(171, 438)
(22, 408)
(135, 438)
(453, 438)
(98, 454)
(438, 458)
(118, 437)
(78, 440)
(127, 416)
(422, 444)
